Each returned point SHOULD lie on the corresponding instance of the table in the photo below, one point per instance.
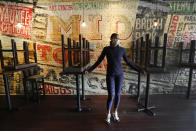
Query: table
(6, 85)
(79, 108)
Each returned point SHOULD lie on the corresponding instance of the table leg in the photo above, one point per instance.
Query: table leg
(43, 86)
(7, 91)
(190, 83)
(138, 88)
(25, 91)
(147, 91)
(37, 92)
(78, 94)
(146, 108)
(83, 91)
(33, 91)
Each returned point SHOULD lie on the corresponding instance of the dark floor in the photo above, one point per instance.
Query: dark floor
(56, 113)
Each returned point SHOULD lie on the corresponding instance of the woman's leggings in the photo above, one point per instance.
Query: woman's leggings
(114, 86)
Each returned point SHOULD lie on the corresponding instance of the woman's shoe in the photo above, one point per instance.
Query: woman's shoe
(115, 117)
(108, 122)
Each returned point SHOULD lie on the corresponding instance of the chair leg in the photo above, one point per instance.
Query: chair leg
(25, 91)
(43, 86)
(37, 92)
(33, 91)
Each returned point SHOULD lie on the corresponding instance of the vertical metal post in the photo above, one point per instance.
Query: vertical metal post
(7, 91)
(88, 52)
(33, 90)
(138, 88)
(78, 94)
(35, 52)
(25, 91)
(69, 52)
(74, 53)
(189, 83)
(1, 56)
(192, 52)
(63, 52)
(191, 62)
(147, 90)
(147, 58)
(37, 92)
(156, 50)
(77, 54)
(80, 52)
(14, 53)
(141, 50)
(133, 51)
(164, 50)
(83, 88)
(43, 86)
(26, 53)
(149, 51)
(137, 50)
(83, 51)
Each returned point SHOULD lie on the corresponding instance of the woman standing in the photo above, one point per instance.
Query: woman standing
(114, 76)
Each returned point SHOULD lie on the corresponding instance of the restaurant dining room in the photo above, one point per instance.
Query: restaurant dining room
(98, 65)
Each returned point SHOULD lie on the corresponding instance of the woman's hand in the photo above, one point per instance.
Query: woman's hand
(86, 72)
(143, 72)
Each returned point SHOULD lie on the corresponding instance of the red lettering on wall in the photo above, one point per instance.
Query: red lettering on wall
(172, 30)
(48, 51)
(128, 34)
(57, 55)
(45, 49)
(11, 15)
(98, 31)
(60, 7)
(56, 91)
(52, 90)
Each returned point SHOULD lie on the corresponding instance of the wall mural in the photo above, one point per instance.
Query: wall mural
(102, 19)
(12, 14)
(181, 28)
(144, 22)
(181, 23)
(51, 19)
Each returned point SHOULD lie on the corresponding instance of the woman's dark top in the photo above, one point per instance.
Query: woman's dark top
(114, 64)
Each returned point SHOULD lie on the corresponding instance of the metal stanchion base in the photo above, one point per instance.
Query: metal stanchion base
(138, 100)
(147, 110)
(134, 96)
(84, 109)
(14, 109)
(79, 109)
(85, 99)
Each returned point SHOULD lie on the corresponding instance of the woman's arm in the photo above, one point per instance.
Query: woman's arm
(128, 62)
(101, 57)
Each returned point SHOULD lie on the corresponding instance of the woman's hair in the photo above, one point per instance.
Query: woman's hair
(114, 35)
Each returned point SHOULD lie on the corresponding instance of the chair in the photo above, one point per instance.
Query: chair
(15, 59)
(34, 78)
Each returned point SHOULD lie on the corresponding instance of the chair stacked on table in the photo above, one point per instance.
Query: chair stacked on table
(76, 59)
(149, 54)
(188, 60)
(25, 60)
(76, 56)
